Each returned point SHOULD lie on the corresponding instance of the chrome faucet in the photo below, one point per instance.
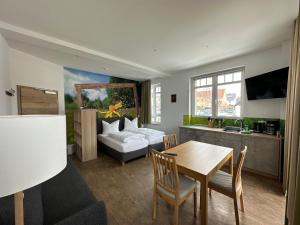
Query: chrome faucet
(241, 123)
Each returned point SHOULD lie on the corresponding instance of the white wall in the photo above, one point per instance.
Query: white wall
(31, 71)
(255, 64)
(4, 77)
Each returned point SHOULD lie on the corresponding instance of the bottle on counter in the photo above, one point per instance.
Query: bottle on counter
(278, 133)
(220, 123)
(210, 122)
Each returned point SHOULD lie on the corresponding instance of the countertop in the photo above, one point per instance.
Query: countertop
(221, 130)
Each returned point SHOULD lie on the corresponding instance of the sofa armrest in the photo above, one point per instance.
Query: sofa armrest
(92, 215)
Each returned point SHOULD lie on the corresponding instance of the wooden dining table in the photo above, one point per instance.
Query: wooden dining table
(201, 161)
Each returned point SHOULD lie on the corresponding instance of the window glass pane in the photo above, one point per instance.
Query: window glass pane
(226, 87)
(155, 103)
(229, 100)
(221, 79)
(203, 101)
(209, 80)
(237, 76)
(203, 82)
(152, 102)
(228, 77)
(158, 109)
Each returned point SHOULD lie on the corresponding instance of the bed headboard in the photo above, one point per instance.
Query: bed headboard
(110, 120)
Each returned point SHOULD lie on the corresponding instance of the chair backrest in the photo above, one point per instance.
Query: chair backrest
(165, 172)
(170, 141)
(237, 178)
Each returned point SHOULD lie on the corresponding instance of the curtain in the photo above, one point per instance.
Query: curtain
(146, 102)
(292, 129)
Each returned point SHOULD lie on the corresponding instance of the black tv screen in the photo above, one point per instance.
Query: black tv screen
(268, 85)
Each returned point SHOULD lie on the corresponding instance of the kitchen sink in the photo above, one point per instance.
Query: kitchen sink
(232, 129)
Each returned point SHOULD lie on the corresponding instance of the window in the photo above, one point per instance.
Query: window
(218, 94)
(155, 103)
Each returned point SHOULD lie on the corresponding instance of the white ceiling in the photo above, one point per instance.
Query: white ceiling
(144, 39)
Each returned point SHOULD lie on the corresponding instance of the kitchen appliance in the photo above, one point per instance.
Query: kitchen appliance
(272, 127)
(259, 126)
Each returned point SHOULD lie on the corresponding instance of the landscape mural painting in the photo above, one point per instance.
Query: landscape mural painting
(110, 102)
(95, 92)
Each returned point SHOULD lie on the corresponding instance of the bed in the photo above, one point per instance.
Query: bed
(121, 151)
(154, 137)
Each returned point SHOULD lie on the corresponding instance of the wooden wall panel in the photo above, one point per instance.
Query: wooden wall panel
(37, 101)
(85, 134)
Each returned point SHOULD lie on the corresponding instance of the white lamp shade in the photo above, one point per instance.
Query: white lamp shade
(32, 150)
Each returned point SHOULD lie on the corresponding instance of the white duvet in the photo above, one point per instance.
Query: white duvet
(126, 136)
(147, 132)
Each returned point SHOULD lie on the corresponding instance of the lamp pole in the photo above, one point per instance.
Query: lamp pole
(19, 209)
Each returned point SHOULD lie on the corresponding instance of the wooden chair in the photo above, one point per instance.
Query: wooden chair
(170, 141)
(231, 185)
(169, 185)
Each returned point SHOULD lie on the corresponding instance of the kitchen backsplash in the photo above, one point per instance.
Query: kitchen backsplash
(249, 121)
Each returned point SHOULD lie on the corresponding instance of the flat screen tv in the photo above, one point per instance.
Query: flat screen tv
(268, 85)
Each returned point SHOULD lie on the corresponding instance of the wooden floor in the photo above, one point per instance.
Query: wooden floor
(127, 193)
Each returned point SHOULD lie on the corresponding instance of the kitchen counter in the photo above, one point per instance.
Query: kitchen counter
(206, 128)
(263, 156)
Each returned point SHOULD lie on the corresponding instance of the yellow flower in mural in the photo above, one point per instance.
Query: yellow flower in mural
(112, 110)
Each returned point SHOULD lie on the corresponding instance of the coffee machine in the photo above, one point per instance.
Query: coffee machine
(272, 127)
(259, 126)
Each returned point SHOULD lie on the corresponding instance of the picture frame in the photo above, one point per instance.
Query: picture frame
(80, 87)
(173, 98)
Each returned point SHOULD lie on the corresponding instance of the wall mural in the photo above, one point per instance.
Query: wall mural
(111, 96)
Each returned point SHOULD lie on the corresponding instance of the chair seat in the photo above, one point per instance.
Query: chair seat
(222, 181)
(186, 185)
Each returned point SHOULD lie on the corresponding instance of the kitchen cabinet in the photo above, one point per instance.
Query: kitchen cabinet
(263, 155)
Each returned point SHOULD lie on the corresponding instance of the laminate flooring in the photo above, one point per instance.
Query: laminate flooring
(127, 192)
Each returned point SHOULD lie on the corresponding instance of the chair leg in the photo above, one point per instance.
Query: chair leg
(176, 214)
(154, 205)
(195, 202)
(236, 211)
(210, 191)
(242, 201)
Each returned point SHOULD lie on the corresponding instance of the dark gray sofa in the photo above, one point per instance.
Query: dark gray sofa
(63, 200)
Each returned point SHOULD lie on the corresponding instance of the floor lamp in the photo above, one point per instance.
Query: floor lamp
(32, 150)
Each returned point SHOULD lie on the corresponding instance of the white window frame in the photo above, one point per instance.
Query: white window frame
(154, 113)
(214, 86)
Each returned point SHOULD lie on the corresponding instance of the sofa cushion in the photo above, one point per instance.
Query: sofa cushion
(64, 195)
(33, 208)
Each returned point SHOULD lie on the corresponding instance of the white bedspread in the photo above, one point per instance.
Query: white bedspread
(121, 146)
(153, 136)
(126, 136)
(148, 132)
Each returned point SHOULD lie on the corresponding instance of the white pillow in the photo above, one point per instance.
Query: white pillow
(110, 127)
(129, 125)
